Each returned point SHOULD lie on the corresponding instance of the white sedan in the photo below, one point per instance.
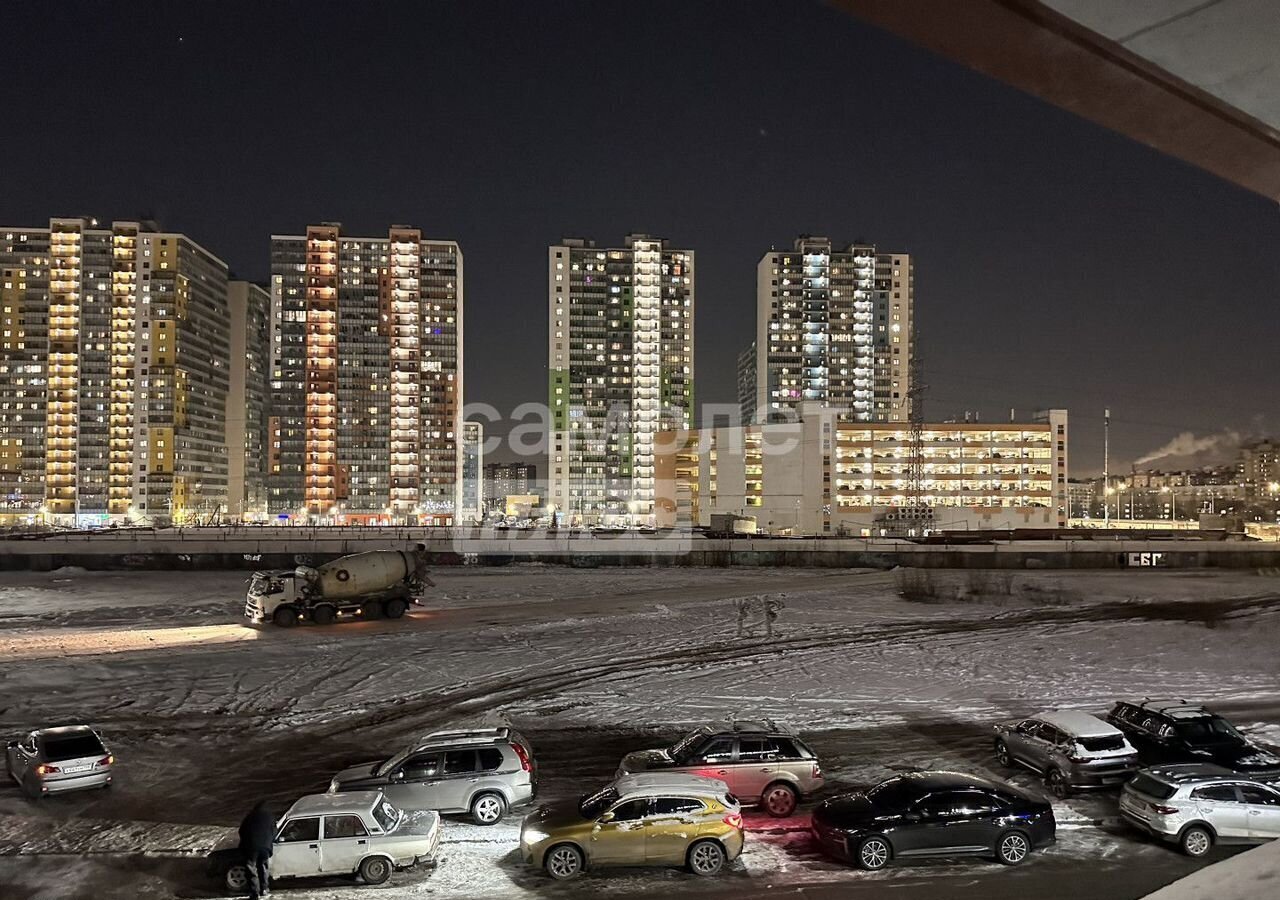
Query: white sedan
(358, 833)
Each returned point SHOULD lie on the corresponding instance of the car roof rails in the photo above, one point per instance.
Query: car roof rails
(758, 726)
(463, 735)
(1170, 706)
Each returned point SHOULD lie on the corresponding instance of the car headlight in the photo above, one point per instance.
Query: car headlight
(533, 835)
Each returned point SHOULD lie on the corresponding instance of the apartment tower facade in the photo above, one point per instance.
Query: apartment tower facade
(250, 307)
(114, 366)
(366, 376)
(834, 326)
(620, 357)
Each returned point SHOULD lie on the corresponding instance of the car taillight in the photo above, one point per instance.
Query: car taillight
(106, 760)
(525, 762)
(733, 820)
(43, 769)
(1163, 810)
(817, 771)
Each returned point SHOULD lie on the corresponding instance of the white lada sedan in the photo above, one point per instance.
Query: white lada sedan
(357, 833)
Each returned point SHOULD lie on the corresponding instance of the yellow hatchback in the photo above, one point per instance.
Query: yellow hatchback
(654, 819)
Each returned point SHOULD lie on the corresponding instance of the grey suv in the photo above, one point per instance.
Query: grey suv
(480, 772)
(763, 763)
(1069, 749)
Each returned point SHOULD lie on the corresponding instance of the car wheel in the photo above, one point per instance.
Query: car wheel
(1003, 756)
(1196, 841)
(285, 616)
(395, 608)
(236, 879)
(779, 800)
(487, 809)
(563, 861)
(1012, 848)
(375, 870)
(371, 610)
(1057, 783)
(873, 854)
(706, 858)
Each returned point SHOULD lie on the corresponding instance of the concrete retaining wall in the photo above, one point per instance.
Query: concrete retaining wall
(286, 547)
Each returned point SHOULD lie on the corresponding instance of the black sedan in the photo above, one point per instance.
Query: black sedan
(933, 814)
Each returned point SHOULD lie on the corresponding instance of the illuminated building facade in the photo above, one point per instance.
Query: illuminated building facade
(834, 326)
(366, 376)
(620, 355)
(250, 307)
(114, 360)
(471, 487)
(819, 475)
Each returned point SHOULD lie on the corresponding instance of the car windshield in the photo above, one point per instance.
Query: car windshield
(387, 815)
(892, 794)
(687, 744)
(1106, 742)
(72, 747)
(1211, 730)
(593, 805)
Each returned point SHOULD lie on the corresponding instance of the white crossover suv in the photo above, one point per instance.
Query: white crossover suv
(1198, 805)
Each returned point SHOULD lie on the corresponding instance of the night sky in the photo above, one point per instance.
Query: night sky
(1057, 264)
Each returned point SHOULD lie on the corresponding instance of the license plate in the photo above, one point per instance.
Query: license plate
(71, 770)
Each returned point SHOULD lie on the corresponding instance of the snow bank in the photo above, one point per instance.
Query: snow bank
(1247, 876)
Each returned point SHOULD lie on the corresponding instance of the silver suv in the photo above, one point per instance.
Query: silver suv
(1069, 749)
(763, 763)
(1198, 804)
(480, 772)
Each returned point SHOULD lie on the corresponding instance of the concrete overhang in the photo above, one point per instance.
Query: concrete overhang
(1197, 79)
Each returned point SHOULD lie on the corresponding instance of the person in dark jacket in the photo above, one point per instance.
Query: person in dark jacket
(257, 836)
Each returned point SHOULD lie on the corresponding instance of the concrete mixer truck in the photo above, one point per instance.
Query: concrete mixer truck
(372, 585)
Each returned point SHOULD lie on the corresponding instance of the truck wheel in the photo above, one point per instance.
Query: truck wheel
(324, 614)
(395, 608)
(371, 610)
(285, 616)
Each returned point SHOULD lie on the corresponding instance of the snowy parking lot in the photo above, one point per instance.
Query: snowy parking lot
(207, 715)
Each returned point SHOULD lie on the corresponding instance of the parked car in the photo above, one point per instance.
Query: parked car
(1174, 731)
(1198, 805)
(1069, 749)
(933, 814)
(482, 772)
(667, 819)
(357, 833)
(54, 760)
(763, 763)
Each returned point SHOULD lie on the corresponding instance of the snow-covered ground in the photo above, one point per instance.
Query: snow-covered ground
(207, 715)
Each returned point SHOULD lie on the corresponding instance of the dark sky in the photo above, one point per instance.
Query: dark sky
(1057, 263)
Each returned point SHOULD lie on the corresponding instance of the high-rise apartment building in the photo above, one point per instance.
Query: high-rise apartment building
(834, 326)
(250, 308)
(747, 384)
(620, 355)
(504, 480)
(114, 360)
(471, 487)
(366, 376)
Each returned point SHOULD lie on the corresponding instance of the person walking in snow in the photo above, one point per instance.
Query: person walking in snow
(257, 837)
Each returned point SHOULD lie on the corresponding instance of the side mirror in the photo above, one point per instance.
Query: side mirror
(605, 819)
(397, 775)
(912, 816)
